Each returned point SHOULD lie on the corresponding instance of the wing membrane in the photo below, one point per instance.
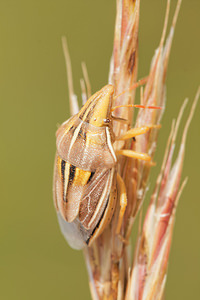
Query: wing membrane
(95, 199)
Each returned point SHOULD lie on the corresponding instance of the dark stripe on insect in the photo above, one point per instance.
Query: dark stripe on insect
(90, 178)
(62, 165)
(91, 112)
(63, 171)
(82, 134)
(72, 172)
(97, 226)
(90, 108)
(72, 129)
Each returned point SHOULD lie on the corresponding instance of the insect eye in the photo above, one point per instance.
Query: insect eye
(106, 121)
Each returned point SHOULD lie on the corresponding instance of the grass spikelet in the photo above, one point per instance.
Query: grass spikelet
(116, 271)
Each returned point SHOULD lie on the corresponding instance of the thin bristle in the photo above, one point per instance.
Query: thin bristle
(165, 24)
(178, 6)
(167, 149)
(86, 78)
(142, 95)
(190, 116)
(72, 99)
(179, 119)
(181, 190)
(83, 91)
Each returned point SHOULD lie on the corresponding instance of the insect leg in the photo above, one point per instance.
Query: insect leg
(136, 131)
(134, 154)
(121, 190)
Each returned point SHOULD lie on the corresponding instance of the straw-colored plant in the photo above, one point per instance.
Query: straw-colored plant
(115, 270)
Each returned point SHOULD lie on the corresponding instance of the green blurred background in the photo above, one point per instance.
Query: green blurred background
(35, 260)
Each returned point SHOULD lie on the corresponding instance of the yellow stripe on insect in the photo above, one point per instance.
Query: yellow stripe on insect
(97, 110)
(59, 165)
(66, 181)
(81, 177)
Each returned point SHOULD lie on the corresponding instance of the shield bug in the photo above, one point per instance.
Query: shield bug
(85, 173)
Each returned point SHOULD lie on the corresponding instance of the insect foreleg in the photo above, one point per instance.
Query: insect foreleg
(136, 131)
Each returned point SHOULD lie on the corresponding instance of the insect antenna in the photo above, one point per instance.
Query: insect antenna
(136, 105)
(134, 86)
